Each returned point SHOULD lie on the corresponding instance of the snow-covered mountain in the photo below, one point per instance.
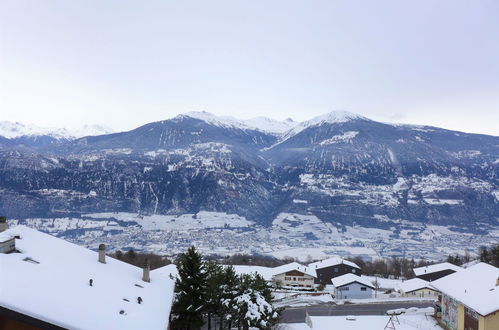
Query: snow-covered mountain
(12, 130)
(342, 168)
(262, 124)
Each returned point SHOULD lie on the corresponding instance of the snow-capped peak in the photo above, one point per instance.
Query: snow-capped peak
(90, 130)
(13, 130)
(263, 124)
(332, 117)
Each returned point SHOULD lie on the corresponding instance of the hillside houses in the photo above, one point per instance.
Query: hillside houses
(50, 283)
(333, 267)
(304, 276)
(288, 275)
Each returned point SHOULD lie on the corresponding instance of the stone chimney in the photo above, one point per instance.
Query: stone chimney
(145, 271)
(3, 224)
(102, 253)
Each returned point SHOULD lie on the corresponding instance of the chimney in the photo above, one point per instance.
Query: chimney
(145, 271)
(102, 253)
(3, 224)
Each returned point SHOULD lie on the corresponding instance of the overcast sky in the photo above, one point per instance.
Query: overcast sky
(126, 63)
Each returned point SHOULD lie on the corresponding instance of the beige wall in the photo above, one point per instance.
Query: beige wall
(287, 280)
(460, 316)
(490, 322)
(421, 293)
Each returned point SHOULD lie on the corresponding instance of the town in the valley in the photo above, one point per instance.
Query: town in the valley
(97, 289)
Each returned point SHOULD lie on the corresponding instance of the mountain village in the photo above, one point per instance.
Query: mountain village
(96, 291)
(249, 165)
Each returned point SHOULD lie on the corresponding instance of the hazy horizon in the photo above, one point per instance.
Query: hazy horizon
(123, 64)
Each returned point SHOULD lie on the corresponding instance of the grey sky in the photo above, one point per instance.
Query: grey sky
(126, 63)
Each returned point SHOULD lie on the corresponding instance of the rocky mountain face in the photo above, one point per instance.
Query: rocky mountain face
(343, 168)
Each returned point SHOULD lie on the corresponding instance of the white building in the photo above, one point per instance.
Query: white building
(292, 274)
(350, 286)
(50, 283)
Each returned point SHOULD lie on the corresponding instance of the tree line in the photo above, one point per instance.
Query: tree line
(490, 255)
(139, 259)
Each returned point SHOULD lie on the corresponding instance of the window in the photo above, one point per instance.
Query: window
(363, 288)
(353, 270)
(287, 278)
(336, 270)
(294, 278)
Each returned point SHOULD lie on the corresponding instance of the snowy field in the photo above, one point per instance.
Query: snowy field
(297, 236)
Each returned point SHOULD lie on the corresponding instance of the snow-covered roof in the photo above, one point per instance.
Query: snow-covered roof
(350, 278)
(414, 284)
(332, 262)
(268, 272)
(49, 281)
(294, 266)
(435, 268)
(168, 270)
(474, 287)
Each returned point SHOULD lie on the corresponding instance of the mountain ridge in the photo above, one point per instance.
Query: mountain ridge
(343, 168)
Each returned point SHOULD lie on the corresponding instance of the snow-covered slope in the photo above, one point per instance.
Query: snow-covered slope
(333, 117)
(12, 130)
(262, 124)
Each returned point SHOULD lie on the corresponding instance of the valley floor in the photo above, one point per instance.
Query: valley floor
(304, 237)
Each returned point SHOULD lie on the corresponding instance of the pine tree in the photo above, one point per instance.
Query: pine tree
(228, 292)
(190, 301)
(213, 290)
(252, 306)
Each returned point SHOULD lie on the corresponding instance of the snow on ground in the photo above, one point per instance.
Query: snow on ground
(345, 137)
(202, 219)
(384, 283)
(304, 299)
(263, 124)
(13, 130)
(299, 236)
(412, 319)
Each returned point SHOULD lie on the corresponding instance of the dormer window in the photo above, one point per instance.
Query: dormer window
(7, 243)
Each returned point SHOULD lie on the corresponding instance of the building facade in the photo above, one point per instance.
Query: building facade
(470, 298)
(330, 268)
(353, 290)
(294, 278)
